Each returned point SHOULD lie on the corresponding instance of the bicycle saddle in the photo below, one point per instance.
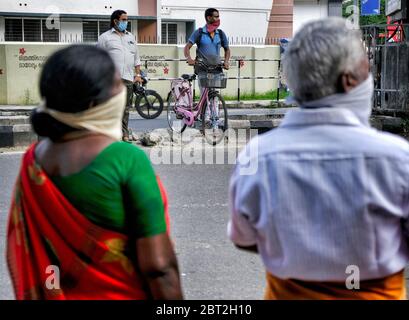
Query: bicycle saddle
(189, 77)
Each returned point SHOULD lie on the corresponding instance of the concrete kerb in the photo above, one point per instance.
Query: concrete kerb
(15, 129)
(163, 137)
(16, 135)
(12, 120)
(11, 110)
(255, 104)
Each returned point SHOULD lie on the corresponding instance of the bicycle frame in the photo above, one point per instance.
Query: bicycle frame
(190, 116)
(140, 89)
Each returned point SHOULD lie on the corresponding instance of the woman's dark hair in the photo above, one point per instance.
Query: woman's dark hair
(72, 80)
(209, 12)
(115, 16)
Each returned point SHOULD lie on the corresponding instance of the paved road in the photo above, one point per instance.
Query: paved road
(211, 267)
(137, 123)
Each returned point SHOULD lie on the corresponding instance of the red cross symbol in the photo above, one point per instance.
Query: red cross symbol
(22, 51)
(166, 70)
(1, 72)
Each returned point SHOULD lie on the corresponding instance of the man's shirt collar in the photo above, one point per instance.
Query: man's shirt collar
(205, 29)
(320, 116)
(114, 30)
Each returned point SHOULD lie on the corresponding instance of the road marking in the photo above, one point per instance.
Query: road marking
(10, 153)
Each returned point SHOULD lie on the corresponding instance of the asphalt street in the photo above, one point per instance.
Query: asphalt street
(211, 267)
(138, 124)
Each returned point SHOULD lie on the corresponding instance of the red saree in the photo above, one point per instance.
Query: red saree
(46, 230)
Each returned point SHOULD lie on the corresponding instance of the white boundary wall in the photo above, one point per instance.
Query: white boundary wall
(21, 63)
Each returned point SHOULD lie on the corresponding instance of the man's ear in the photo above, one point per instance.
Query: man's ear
(340, 85)
(347, 82)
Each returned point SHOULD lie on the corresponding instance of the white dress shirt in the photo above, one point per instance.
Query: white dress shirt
(123, 50)
(328, 193)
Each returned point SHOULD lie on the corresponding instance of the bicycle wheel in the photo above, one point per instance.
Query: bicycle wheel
(149, 104)
(214, 119)
(175, 120)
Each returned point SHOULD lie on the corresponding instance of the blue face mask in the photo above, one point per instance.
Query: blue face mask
(122, 25)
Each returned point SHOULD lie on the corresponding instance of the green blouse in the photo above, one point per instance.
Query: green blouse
(118, 190)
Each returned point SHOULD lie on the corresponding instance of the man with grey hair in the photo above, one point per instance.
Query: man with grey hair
(328, 206)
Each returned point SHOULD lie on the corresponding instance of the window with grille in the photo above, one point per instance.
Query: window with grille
(93, 29)
(30, 30)
(104, 26)
(14, 29)
(172, 33)
(50, 34)
(90, 31)
(164, 33)
(169, 33)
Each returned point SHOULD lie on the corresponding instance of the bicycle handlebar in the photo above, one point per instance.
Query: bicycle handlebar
(209, 67)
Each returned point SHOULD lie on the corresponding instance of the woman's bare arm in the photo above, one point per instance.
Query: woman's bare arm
(158, 264)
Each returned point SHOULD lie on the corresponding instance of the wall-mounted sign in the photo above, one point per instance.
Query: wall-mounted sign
(370, 7)
(392, 6)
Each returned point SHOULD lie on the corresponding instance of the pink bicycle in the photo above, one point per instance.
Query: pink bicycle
(209, 114)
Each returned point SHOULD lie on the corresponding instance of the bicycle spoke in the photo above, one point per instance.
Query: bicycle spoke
(215, 126)
(176, 124)
(152, 103)
(148, 105)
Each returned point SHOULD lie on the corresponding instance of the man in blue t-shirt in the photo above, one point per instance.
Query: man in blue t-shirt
(209, 39)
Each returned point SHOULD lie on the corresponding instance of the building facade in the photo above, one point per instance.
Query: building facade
(157, 21)
(72, 21)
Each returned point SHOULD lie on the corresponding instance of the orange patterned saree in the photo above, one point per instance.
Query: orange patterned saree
(47, 234)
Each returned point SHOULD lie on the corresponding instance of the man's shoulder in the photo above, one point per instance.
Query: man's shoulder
(128, 34)
(362, 140)
(197, 31)
(389, 141)
(105, 35)
(194, 36)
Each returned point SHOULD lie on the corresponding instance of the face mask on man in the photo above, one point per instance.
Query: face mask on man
(358, 100)
(122, 25)
(213, 26)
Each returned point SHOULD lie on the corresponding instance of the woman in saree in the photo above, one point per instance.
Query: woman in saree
(89, 217)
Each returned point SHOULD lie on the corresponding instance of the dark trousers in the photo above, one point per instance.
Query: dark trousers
(125, 118)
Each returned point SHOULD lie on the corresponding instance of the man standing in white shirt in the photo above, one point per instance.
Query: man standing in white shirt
(122, 47)
(331, 194)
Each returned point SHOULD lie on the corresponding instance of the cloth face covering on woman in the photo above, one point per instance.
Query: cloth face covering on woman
(105, 118)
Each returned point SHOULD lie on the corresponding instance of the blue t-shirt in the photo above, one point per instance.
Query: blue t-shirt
(209, 47)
